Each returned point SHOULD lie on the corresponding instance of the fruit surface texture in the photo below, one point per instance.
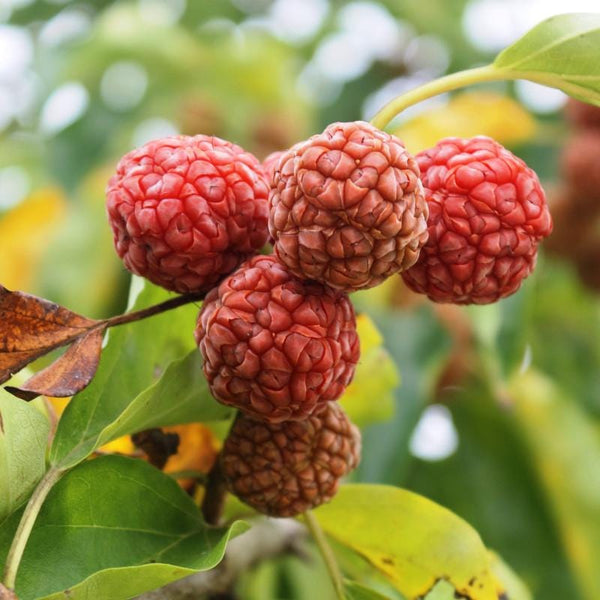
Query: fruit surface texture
(284, 469)
(275, 346)
(347, 207)
(185, 211)
(487, 214)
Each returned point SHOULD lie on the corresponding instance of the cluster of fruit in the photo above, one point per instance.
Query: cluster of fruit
(343, 210)
(577, 201)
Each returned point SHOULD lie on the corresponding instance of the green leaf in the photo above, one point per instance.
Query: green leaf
(370, 396)
(111, 528)
(122, 583)
(23, 442)
(565, 448)
(180, 396)
(411, 540)
(561, 52)
(357, 591)
(134, 358)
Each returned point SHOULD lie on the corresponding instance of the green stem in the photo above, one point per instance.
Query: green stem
(436, 87)
(15, 554)
(326, 553)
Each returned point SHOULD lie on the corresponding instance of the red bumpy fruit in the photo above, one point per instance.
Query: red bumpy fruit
(347, 207)
(487, 213)
(185, 211)
(274, 346)
(271, 162)
(284, 469)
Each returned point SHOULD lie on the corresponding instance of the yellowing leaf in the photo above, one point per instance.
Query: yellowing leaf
(467, 115)
(26, 232)
(370, 396)
(410, 539)
(565, 449)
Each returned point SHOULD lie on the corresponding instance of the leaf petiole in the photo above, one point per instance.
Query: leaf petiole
(15, 553)
(138, 315)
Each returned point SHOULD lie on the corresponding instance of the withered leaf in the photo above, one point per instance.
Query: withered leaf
(69, 373)
(29, 323)
(13, 362)
(31, 327)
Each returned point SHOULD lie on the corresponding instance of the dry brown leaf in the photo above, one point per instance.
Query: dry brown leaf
(31, 327)
(68, 374)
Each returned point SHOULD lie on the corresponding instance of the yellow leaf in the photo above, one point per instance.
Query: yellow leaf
(410, 539)
(467, 115)
(26, 232)
(370, 396)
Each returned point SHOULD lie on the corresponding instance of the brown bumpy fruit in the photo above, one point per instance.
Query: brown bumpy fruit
(274, 346)
(487, 214)
(185, 211)
(287, 468)
(347, 207)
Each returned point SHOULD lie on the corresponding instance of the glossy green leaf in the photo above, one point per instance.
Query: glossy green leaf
(411, 540)
(122, 583)
(565, 448)
(23, 443)
(561, 52)
(134, 358)
(370, 396)
(180, 396)
(113, 527)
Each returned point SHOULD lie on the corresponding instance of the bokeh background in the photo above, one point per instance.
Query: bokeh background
(81, 83)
